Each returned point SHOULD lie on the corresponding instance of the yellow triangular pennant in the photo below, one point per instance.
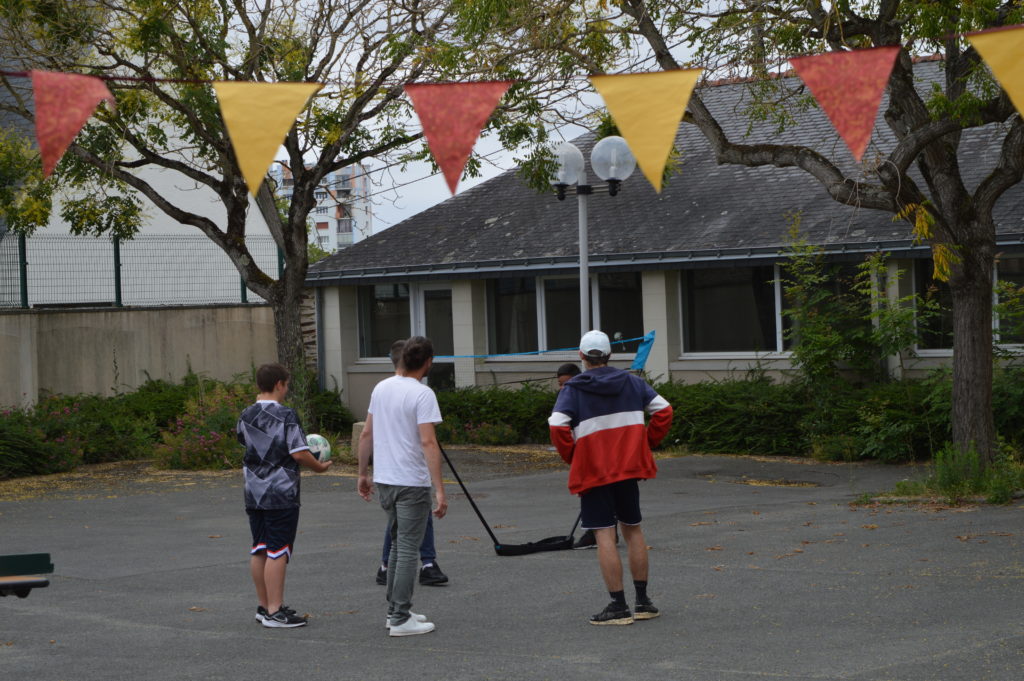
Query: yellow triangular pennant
(258, 117)
(647, 108)
(1001, 50)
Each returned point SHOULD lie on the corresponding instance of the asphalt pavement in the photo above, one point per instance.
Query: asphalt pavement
(762, 570)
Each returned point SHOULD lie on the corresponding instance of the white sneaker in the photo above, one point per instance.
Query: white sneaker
(411, 627)
(412, 615)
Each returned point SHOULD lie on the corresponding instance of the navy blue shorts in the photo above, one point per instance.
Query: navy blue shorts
(273, 531)
(605, 505)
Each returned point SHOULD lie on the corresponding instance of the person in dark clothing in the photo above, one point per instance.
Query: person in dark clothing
(598, 427)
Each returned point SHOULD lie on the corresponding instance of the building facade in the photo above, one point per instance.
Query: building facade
(343, 214)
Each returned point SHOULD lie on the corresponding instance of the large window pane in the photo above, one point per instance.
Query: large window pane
(512, 315)
(437, 309)
(383, 318)
(936, 331)
(729, 309)
(622, 308)
(562, 313)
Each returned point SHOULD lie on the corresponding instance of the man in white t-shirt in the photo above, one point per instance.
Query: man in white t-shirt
(399, 436)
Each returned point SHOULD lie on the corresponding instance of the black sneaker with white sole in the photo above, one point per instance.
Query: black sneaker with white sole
(261, 614)
(285, 618)
(431, 575)
(645, 610)
(613, 613)
(587, 541)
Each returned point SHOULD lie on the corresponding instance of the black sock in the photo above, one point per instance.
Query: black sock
(641, 590)
(618, 597)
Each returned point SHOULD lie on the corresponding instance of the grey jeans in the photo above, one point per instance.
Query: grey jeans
(408, 509)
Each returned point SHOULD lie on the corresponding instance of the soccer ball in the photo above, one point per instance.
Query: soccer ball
(319, 445)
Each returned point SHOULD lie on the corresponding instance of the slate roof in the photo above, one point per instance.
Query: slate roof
(707, 213)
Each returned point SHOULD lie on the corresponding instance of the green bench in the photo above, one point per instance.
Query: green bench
(19, 574)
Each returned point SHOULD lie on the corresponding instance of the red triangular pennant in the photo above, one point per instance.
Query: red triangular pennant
(64, 102)
(452, 116)
(849, 87)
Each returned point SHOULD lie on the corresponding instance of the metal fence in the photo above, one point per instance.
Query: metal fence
(48, 270)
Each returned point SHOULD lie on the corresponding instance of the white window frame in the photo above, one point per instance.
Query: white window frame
(928, 352)
(543, 353)
(778, 353)
(1015, 348)
(418, 306)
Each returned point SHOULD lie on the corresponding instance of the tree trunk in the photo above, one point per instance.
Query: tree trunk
(288, 331)
(971, 286)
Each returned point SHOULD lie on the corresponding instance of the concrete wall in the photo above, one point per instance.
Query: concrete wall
(96, 351)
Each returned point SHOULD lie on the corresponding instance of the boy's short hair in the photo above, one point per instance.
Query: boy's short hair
(268, 375)
(568, 369)
(396, 352)
(415, 353)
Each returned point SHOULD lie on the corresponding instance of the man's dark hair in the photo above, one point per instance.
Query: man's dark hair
(268, 375)
(568, 369)
(597, 360)
(396, 352)
(416, 352)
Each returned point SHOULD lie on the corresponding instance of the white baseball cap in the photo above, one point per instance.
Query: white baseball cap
(595, 344)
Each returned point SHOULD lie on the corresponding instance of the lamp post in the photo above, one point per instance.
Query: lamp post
(613, 162)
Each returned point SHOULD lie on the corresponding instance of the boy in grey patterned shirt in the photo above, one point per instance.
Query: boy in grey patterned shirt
(275, 447)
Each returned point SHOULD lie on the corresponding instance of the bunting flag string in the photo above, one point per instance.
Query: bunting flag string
(849, 87)
(452, 116)
(647, 108)
(1001, 48)
(63, 103)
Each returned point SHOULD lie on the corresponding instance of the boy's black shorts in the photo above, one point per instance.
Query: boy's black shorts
(605, 505)
(273, 530)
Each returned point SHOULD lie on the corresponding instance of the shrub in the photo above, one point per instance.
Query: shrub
(1008, 405)
(105, 428)
(328, 413)
(204, 436)
(736, 416)
(477, 434)
(522, 411)
(25, 450)
(896, 422)
(163, 400)
(957, 474)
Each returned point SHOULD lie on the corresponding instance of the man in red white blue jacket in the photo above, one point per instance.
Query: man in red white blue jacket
(598, 428)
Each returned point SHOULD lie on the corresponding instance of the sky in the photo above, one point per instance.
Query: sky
(399, 194)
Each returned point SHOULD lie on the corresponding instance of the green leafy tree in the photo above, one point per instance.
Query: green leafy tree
(754, 40)
(160, 56)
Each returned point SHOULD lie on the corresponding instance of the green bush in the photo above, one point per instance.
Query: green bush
(329, 413)
(163, 400)
(204, 436)
(523, 412)
(1008, 405)
(958, 474)
(25, 449)
(736, 416)
(105, 427)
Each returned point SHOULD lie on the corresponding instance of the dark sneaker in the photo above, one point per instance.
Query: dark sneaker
(587, 541)
(261, 614)
(284, 618)
(431, 575)
(613, 613)
(382, 576)
(645, 610)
